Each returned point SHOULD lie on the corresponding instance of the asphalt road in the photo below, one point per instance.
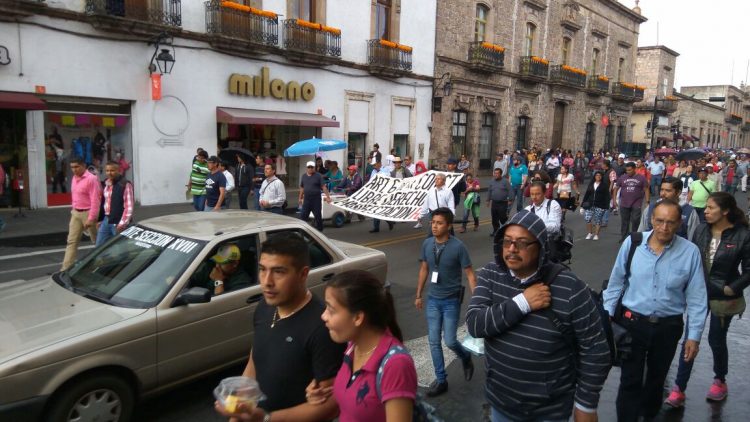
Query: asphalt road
(464, 401)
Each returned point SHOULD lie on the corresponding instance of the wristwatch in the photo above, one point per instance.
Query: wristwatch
(266, 416)
(218, 283)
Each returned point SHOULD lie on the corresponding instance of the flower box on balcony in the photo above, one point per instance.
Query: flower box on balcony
(598, 84)
(235, 20)
(568, 75)
(486, 56)
(310, 41)
(534, 68)
(388, 58)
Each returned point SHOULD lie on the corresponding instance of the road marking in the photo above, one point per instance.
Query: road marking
(44, 252)
(419, 349)
(18, 270)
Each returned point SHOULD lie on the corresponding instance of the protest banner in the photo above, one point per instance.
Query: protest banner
(392, 199)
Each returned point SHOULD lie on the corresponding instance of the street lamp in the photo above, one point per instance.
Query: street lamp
(164, 59)
(447, 85)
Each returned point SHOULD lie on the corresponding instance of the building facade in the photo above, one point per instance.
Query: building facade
(652, 117)
(699, 123)
(257, 75)
(734, 131)
(512, 74)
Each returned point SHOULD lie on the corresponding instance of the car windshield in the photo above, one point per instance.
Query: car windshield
(135, 270)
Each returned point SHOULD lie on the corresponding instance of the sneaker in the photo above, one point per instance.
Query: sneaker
(718, 391)
(676, 398)
(589, 236)
(596, 237)
(418, 225)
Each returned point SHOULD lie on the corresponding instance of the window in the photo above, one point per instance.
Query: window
(460, 119)
(318, 254)
(595, 61)
(566, 42)
(521, 132)
(486, 141)
(245, 274)
(620, 66)
(383, 20)
(590, 138)
(529, 39)
(480, 26)
(665, 87)
(303, 9)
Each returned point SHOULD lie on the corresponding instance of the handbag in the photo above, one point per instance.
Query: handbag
(727, 308)
(586, 205)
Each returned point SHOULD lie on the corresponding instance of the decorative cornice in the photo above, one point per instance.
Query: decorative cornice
(535, 4)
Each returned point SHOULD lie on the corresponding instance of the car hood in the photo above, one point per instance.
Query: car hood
(39, 313)
(352, 250)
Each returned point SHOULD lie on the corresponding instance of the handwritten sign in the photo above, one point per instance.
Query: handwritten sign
(392, 199)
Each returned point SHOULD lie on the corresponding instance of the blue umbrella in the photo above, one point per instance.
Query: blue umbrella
(313, 146)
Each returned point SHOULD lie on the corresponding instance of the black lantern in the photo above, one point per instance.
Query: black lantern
(165, 61)
(445, 82)
(447, 88)
(165, 58)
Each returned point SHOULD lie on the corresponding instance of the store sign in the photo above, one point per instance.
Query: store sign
(156, 86)
(263, 86)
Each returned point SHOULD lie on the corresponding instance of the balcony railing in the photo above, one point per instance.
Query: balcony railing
(746, 126)
(534, 67)
(734, 119)
(667, 105)
(238, 21)
(623, 90)
(314, 38)
(639, 90)
(483, 55)
(568, 75)
(164, 12)
(386, 56)
(599, 84)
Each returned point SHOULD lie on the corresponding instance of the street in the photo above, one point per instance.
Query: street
(592, 261)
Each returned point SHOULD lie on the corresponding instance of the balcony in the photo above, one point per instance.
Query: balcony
(624, 91)
(486, 57)
(310, 42)
(10, 10)
(239, 28)
(138, 17)
(567, 75)
(666, 105)
(746, 126)
(387, 58)
(598, 85)
(734, 119)
(639, 90)
(533, 68)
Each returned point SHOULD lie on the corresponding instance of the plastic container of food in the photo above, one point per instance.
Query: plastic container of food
(235, 391)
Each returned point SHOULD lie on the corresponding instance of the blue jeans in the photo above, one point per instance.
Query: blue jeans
(199, 202)
(257, 200)
(655, 185)
(275, 210)
(442, 315)
(516, 192)
(717, 339)
(106, 231)
(243, 192)
(498, 416)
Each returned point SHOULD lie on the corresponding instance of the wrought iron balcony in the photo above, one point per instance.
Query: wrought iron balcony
(313, 41)
(485, 56)
(623, 91)
(388, 58)
(598, 84)
(734, 119)
(160, 12)
(12, 9)
(533, 68)
(746, 126)
(666, 105)
(256, 26)
(639, 93)
(567, 75)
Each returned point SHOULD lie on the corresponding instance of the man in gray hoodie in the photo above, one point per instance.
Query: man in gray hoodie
(535, 371)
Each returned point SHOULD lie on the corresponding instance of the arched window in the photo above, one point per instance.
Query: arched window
(566, 45)
(529, 39)
(480, 25)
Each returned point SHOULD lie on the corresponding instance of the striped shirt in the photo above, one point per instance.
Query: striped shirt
(198, 177)
(531, 373)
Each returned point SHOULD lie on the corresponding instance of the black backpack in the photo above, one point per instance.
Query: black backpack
(560, 246)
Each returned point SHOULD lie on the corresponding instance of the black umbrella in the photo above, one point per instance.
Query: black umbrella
(691, 154)
(230, 155)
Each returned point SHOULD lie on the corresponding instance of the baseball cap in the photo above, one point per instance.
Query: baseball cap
(621, 156)
(702, 169)
(213, 159)
(353, 167)
(311, 164)
(226, 254)
(452, 161)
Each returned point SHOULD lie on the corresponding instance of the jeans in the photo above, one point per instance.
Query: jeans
(474, 211)
(106, 231)
(275, 210)
(717, 339)
(731, 188)
(655, 185)
(498, 416)
(227, 203)
(199, 202)
(630, 218)
(243, 192)
(312, 204)
(257, 200)
(516, 193)
(442, 315)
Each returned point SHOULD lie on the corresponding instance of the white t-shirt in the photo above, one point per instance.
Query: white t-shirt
(565, 183)
(230, 180)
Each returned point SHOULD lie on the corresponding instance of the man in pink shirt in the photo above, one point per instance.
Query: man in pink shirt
(86, 193)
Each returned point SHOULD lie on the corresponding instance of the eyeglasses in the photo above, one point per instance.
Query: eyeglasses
(520, 244)
(658, 222)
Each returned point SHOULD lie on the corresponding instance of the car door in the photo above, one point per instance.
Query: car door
(197, 338)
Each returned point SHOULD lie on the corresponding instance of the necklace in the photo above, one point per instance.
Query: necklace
(366, 353)
(277, 318)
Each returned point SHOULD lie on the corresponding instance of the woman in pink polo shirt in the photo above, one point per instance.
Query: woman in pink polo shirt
(360, 311)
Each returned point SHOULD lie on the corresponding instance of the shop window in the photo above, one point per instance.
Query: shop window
(486, 140)
(566, 45)
(529, 39)
(460, 125)
(13, 158)
(480, 25)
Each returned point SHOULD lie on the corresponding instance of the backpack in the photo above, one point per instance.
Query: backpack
(618, 338)
(561, 246)
(422, 411)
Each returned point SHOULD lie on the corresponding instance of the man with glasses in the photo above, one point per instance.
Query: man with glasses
(533, 372)
(670, 282)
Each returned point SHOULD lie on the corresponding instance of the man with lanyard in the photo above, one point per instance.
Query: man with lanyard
(216, 185)
(442, 260)
(632, 188)
(311, 186)
(271, 193)
(664, 280)
(656, 168)
(518, 174)
(670, 189)
(498, 198)
(116, 209)
(437, 197)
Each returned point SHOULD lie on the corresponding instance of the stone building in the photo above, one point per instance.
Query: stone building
(516, 73)
(699, 123)
(734, 130)
(655, 70)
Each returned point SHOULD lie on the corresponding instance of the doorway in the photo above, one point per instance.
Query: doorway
(590, 138)
(557, 125)
(608, 135)
(620, 136)
(522, 132)
(355, 154)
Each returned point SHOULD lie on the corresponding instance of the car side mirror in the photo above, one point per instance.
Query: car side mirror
(193, 295)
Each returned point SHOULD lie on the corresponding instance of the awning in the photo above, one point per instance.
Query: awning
(240, 116)
(21, 101)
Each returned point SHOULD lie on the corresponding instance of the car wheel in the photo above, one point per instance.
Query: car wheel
(100, 397)
(339, 219)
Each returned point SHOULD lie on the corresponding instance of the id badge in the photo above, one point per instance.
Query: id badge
(434, 278)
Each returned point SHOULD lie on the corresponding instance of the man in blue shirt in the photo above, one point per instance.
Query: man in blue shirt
(518, 174)
(442, 259)
(666, 280)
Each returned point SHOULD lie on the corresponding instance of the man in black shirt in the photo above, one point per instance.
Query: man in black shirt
(243, 180)
(216, 185)
(291, 348)
(311, 186)
(258, 178)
